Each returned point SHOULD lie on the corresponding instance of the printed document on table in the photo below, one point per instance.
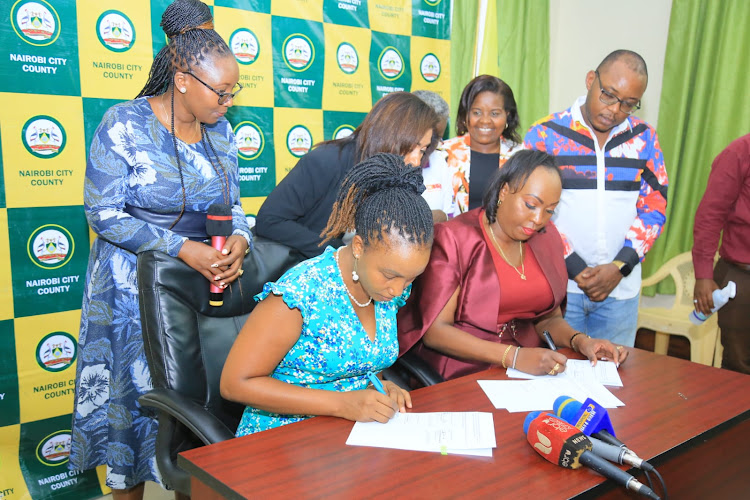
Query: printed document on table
(540, 394)
(605, 372)
(459, 433)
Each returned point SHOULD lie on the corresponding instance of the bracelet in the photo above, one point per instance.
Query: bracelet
(572, 345)
(505, 354)
(515, 357)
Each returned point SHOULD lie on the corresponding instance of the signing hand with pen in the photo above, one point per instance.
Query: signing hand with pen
(378, 403)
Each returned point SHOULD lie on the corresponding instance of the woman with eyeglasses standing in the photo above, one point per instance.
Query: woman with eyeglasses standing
(156, 164)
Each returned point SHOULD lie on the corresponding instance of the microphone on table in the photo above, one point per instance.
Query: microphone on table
(218, 227)
(619, 455)
(592, 419)
(562, 444)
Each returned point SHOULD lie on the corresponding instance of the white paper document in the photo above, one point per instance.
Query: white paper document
(605, 372)
(455, 433)
(540, 394)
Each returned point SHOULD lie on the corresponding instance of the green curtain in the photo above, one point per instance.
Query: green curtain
(705, 104)
(515, 48)
(523, 55)
(463, 44)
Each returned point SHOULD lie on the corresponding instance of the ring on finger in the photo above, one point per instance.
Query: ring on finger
(240, 272)
(619, 348)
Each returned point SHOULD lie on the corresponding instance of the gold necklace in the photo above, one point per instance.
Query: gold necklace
(522, 272)
(167, 120)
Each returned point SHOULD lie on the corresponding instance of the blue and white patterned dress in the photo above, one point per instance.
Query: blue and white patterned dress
(132, 162)
(333, 351)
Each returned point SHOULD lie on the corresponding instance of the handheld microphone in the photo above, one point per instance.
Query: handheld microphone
(562, 444)
(618, 455)
(218, 227)
(593, 420)
(590, 417)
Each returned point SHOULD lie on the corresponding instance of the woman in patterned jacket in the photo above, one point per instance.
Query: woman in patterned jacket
(487, 127)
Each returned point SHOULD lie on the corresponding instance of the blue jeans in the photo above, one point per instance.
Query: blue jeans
(612, 319)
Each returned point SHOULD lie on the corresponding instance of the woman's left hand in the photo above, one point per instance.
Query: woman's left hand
(595, 349)
(399, 395)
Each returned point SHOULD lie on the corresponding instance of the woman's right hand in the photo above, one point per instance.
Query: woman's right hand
(201, 257)
(540, 361)
(367, 405)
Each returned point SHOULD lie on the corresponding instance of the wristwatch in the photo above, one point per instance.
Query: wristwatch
(620, 264)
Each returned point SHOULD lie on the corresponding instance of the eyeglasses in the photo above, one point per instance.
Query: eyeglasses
(609, 99)
(223, 96)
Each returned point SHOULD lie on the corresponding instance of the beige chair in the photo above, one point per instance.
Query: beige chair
(674, 320)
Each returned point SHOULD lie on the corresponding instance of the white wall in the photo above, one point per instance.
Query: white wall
(583, 32)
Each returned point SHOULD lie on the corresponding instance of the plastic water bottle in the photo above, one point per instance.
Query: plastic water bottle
(721, 296)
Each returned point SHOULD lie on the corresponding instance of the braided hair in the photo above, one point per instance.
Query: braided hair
(378, 196)
(189, 27)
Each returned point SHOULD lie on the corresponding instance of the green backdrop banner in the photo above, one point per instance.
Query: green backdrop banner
(312, 70)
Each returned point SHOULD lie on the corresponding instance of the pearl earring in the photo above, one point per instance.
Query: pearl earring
(355, 276)
(183, 90)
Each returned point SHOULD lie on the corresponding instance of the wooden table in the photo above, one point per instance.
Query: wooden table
(689, 420)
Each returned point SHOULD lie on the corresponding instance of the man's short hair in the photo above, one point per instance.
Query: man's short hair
(632, 59)
(436, 102)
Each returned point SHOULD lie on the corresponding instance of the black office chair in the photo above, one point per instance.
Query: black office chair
(186, 343)
(412, 372)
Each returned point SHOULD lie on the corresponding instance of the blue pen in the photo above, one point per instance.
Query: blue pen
(376, 383)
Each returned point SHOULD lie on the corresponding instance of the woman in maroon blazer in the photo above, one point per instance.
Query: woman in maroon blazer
(496, 281)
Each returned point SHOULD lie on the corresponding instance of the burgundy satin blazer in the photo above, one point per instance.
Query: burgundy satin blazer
(461, 256)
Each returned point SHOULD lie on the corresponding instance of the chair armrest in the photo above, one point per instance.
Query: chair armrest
(205, 426)
(419, 369)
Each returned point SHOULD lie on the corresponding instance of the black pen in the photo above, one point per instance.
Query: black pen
(548, 338)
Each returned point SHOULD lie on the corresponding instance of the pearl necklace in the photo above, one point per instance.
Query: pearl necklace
(522, 272)
(336, 257)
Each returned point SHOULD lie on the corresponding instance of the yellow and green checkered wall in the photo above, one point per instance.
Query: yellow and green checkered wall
(311, 69)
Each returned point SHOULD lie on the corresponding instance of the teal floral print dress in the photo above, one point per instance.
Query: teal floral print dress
(333, 352)
(132, 162)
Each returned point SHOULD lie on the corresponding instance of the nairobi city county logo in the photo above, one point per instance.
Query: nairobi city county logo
(245, 46)
(299, 140)
(249, 139)
(54, 449)
(115, 31)
(36, 23)
(432, 3)
(50, 246)
(347, 58)
(390, 63)
(56, 351)
(43, 136)
(343, 131)
(430, 67)
(298, 52)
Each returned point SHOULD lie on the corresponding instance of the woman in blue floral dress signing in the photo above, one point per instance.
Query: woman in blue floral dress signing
(320, 330)
(156, 164)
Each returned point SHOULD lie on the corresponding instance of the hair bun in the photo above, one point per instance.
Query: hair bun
(185, 15)
(397, 174)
